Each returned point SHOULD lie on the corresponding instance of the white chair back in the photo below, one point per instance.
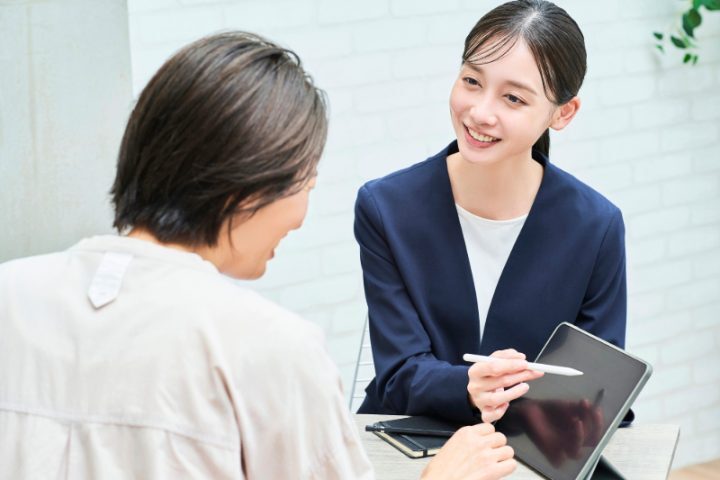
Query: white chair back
(364, 370)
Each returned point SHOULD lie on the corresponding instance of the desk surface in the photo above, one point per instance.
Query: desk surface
(641, 452)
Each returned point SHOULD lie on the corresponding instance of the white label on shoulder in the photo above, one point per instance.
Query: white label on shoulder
(105, 285)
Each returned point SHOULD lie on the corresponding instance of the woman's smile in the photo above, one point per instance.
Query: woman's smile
(478, 139)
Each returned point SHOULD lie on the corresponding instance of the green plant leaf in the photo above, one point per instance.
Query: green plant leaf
(679, 43)
(690, 21)
(683, 38)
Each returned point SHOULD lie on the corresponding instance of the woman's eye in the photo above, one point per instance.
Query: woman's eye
(514, 99)
(471, 81)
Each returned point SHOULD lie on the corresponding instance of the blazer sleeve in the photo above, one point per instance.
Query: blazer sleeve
(604, 307)
(410, 379)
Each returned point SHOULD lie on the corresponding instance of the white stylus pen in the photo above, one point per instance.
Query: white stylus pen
(540, 367)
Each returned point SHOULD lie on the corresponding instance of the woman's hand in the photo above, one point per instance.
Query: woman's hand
(473, 453)
(493, 385)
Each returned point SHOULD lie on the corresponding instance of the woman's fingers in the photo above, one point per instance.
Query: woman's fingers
(497, 368)
(493, 414)
(508, 395)
(509, 380)
(493, 385)
(495, 404)
(508, 353)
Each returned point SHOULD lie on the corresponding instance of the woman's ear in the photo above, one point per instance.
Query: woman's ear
(564, 114)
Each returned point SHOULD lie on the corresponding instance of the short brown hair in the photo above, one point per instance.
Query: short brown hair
(229, 120)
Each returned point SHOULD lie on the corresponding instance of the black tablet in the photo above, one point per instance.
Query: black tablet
(560, 427)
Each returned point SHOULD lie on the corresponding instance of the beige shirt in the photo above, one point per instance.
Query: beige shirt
(120, 358)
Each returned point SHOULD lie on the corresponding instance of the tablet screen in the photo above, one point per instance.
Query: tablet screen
(556, 426)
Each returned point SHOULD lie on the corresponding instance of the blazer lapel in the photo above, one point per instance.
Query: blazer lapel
(507, 322)
(452, 284)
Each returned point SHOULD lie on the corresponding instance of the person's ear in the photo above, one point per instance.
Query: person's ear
(564, 114)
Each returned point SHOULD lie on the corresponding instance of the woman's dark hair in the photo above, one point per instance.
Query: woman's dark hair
(227, 125)
(552, 36)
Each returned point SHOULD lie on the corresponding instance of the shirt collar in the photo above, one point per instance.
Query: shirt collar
(143, 248)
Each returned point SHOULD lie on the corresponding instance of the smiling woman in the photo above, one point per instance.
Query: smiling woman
(504, 246)
(499, 110)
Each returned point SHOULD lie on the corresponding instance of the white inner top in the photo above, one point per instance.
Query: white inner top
(488, 244)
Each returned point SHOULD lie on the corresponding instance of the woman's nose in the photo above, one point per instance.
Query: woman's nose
(482, 112)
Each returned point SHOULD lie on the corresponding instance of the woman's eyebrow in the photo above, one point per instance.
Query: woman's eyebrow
(521, 86)
(514, 83)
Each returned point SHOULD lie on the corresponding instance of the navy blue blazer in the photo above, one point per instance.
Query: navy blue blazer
(567, 265)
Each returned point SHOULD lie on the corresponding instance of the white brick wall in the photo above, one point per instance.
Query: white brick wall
(64, 92)
(648, 137)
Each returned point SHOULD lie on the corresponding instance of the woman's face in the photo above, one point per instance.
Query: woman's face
(499, 109)
(253, 240)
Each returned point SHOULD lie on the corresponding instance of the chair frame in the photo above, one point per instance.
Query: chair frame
(359, 384)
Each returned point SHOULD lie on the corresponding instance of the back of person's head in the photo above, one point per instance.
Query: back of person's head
(553, 37)
(227, 125)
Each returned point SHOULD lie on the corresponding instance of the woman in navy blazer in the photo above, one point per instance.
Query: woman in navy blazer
(567, 263)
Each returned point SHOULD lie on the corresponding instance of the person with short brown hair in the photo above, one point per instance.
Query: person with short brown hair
(135, 356)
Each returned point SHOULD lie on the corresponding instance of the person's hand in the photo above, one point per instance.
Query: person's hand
(473, 453)
(493, 385)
